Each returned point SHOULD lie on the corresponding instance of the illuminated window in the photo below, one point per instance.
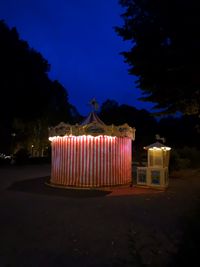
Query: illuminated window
(155, 177)
(155, 157)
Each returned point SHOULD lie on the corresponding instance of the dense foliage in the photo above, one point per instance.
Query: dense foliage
(180, 133)
(165, 52)
(30, 101)
(142, 120)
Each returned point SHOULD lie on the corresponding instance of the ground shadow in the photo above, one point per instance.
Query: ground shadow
(39, 186)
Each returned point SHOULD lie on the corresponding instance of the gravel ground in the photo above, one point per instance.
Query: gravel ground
(42, 226)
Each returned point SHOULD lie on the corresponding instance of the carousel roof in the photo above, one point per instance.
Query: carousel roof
(93, 126)
(92, 117)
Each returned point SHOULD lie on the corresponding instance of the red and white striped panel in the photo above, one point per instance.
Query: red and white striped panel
(88, 161)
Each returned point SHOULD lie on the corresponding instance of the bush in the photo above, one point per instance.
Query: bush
(187, 157)
(4, 161)
(21, 156)
(174, 164)
(192, 154)
(39, 160)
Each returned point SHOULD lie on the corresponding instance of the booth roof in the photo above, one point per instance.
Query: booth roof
(156, 145)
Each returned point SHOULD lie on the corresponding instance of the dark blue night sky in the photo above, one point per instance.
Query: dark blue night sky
(78, 40)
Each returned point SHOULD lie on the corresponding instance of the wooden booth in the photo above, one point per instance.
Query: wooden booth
(156, 173)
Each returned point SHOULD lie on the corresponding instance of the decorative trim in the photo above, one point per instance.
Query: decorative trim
(94, 129)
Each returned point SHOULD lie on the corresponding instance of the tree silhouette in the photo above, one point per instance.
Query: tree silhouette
(113, 113)
(165, 53)
(30, 101)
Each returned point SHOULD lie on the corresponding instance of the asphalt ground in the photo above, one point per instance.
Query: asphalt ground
(45, 226)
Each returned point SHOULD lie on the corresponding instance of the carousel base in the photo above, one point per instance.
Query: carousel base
(88, 187)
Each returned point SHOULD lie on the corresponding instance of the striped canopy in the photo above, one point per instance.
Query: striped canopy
(91, 154)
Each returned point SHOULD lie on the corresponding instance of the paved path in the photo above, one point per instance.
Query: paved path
(41, 228)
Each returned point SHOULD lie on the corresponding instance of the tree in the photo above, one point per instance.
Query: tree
(184, 133)
(29, 100)
(23, 76)
(165, 53)
(113, 113)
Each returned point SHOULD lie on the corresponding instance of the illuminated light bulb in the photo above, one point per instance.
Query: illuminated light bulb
(160, 148)
(84, 137)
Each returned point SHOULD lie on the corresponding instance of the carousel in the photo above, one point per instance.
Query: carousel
(91, 154)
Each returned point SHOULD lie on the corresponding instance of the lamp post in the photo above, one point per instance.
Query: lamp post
(12, 143)
(32, 148)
